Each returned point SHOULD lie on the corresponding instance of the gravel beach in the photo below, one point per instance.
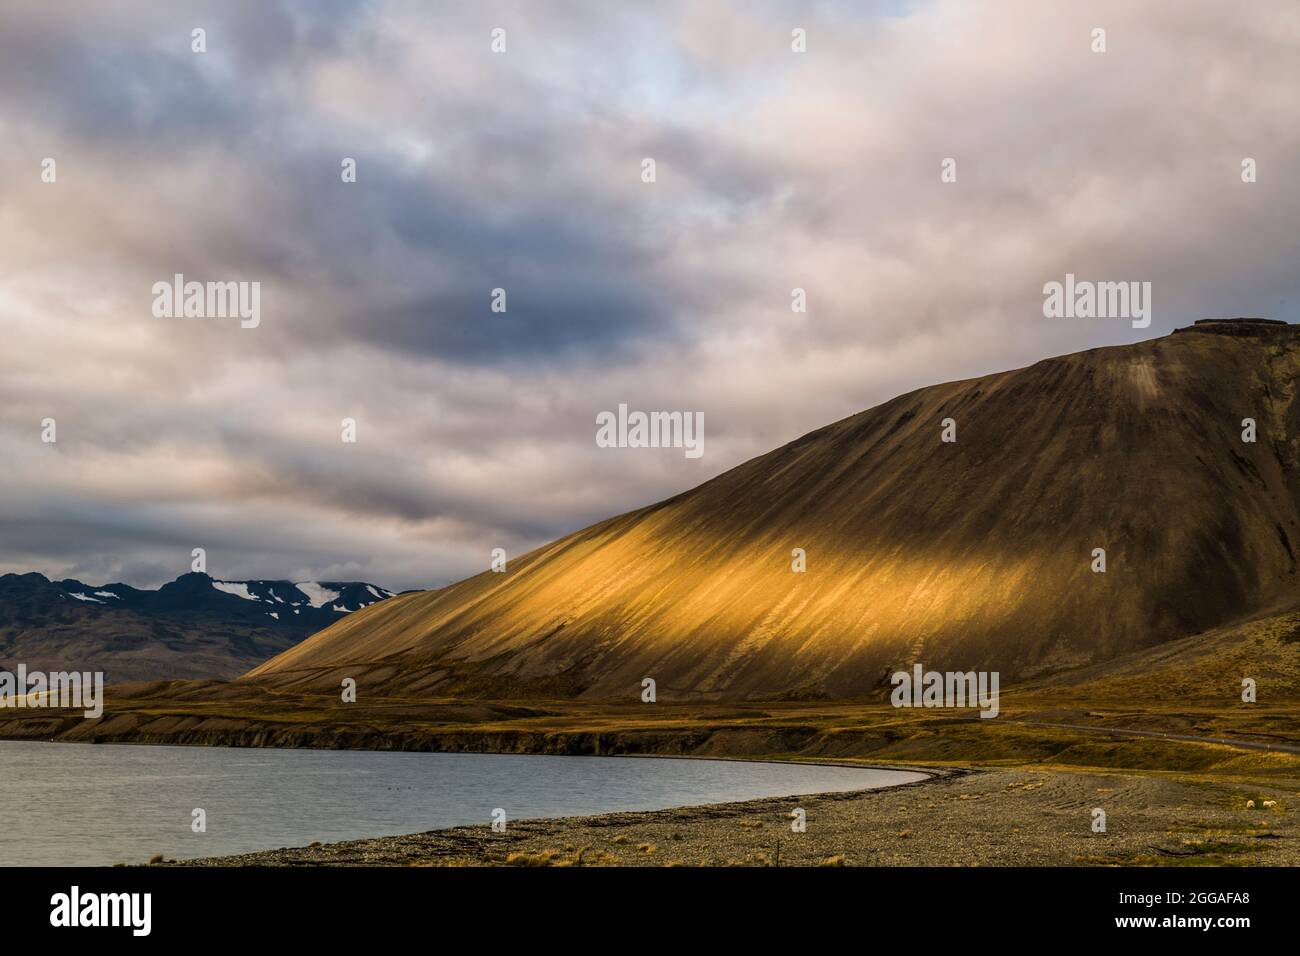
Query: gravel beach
(955, 818)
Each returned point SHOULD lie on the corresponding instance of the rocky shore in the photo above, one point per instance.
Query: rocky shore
(956, 818)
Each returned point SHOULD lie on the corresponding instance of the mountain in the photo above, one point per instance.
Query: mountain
(976, 554)
(193, 627)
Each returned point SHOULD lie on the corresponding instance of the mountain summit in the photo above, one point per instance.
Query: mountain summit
(981, 553)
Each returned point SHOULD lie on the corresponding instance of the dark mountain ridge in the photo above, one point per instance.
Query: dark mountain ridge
(195, 626)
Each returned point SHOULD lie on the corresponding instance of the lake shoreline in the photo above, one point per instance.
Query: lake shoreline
(1191, 809)
(142, 802)
(718, 758)
(956, 817)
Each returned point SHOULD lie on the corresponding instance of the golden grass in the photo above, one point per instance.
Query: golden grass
(584, 856)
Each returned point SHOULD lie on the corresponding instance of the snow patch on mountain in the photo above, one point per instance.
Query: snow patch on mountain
(237, 588)
(317, 595)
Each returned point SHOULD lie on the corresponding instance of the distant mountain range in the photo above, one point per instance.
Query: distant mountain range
(872, 544)
(196, 626)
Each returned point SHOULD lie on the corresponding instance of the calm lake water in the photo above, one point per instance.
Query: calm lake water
(87, 804)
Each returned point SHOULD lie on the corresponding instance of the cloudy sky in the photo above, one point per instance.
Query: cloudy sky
(522, 170)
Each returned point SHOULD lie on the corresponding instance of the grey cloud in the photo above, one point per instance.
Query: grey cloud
(521, 171)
